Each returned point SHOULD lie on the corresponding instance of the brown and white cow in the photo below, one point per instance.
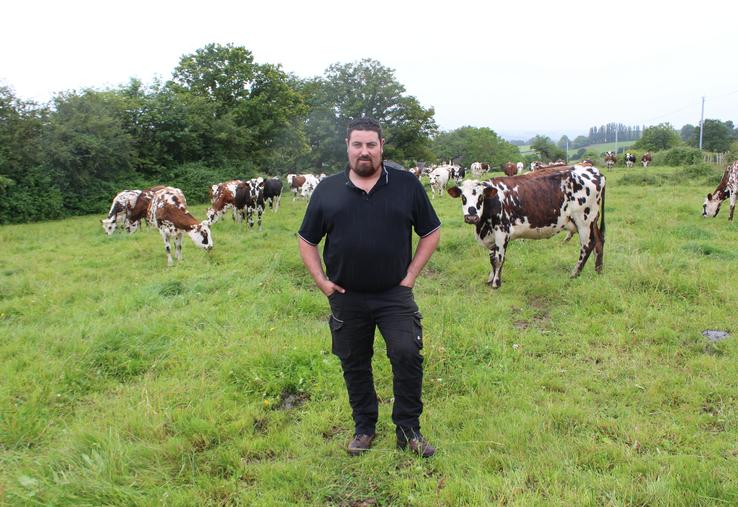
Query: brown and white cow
(223, 195)
(536, 205)
(510, 169)
(168, 212)
(610, 159)
(646, 159)
(118, 210)
(140, 209)
(726, 189)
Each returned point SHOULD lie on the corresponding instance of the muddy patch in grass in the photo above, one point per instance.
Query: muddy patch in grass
(290, 400)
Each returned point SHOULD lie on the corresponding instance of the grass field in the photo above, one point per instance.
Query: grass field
(124, 382)
(597, 148)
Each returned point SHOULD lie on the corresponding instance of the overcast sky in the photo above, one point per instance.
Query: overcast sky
(532, 67)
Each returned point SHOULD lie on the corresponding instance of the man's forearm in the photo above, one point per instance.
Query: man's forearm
(311, 259)
(426, 246)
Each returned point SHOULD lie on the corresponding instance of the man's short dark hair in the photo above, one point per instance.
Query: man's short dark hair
(364, 123)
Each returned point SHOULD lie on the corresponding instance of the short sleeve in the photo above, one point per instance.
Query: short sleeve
(425, 220)
(312, 229)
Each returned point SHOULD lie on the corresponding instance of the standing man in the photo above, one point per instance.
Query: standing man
(368, 213)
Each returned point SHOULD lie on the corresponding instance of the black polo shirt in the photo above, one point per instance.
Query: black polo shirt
(368, 244)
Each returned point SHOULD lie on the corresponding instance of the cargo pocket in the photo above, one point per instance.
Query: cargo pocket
(418, 329)
(338, 340)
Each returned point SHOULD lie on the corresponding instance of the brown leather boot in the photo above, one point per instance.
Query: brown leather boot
(417, 444)
(360, 444)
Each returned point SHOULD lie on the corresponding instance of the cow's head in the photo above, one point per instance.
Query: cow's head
(201, 235)
(132, 227)
(473, 194)
(108, 225)
(711, 206)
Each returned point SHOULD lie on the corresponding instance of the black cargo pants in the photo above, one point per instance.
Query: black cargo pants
(353, 321)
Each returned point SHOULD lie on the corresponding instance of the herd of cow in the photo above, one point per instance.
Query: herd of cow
(630, 159)
(535, 205)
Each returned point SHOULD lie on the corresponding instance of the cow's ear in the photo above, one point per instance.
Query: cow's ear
(454, 191)
(489, 192)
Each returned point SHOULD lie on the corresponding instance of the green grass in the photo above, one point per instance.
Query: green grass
(597, 148)
(124, 382)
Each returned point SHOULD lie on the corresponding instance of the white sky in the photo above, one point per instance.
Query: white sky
(532, 67)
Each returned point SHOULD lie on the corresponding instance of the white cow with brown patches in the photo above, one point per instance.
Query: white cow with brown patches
(726, 189)
(118, 210)
(169, 214)
(223, 196)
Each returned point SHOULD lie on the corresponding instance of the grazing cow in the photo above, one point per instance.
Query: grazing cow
(439, 179)
(646, 159)
(519, 167)
(630, 159)
(311, 181)
(417, 171)
(510, 169)
(536, 205)
(222, 199)
(727, 188)
(121, 203)
(610, 159)
(273, 192)
(140, 209)
(169, 214)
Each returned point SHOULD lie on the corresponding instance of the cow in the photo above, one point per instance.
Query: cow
(727, 188)
(456, 172)
(519, 168)
(439, 179)
(140, 209)
(510, 169)
(646, 159)
(536, 205)
(222, 199)
(311, 181)
(273, 192)
(249, 197)
(122, 201)
(630, 159)
(417, 171)
(477, 169)
(610, 159)
(168, 212)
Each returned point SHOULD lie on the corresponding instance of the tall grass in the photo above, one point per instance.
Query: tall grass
(124, 382)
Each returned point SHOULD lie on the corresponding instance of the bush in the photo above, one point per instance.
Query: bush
(681, 155)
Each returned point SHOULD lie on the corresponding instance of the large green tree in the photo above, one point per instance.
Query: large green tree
(471, 144)
(546, 149)
(717, 136)
(658, 137)
(364, 88)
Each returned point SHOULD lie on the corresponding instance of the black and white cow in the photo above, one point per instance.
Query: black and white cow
(121, 203)
(630, 159)
(273, 192)
(726, 189)
(536, 205)
(249, 198)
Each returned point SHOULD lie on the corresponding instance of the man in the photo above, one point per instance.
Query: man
(368, 213)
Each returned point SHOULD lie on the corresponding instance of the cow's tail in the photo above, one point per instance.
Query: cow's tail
(602, 215)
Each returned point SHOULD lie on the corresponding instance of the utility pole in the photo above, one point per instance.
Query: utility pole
(616, 140)
(702, 121)
(567, 150)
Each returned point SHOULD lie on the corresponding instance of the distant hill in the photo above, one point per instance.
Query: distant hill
(597, 148)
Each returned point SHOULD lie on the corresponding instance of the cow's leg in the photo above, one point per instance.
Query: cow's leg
(259, 212)
(276, 199)
(178, 245)
(497, 259)
(250, 216)
(167, 247)
(733, 198)
(599, 245)
(586, 244)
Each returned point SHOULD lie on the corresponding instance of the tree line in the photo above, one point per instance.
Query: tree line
(221, 115)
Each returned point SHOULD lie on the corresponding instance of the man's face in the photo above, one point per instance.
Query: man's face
(364, 152)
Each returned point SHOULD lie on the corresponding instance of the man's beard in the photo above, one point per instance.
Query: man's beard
(365, 170)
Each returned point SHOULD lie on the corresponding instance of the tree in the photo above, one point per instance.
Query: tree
(659, 137)
(687, 133)
(563, 143)
(471, 144)
(364, 88)
(546, 149)
(716, 136)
